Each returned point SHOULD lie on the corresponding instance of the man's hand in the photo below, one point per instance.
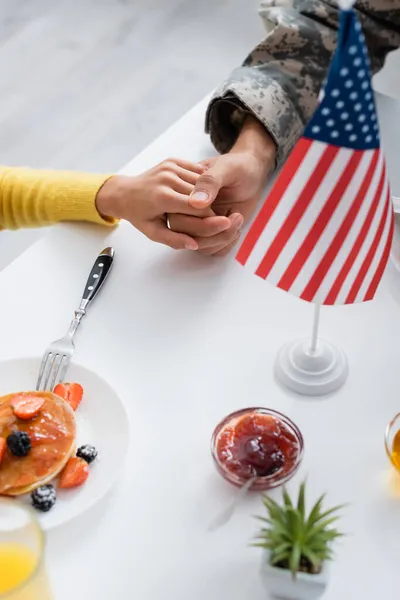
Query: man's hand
(146, 199)
(231, 186)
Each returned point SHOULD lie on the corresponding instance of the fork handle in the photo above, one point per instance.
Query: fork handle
(98, 274)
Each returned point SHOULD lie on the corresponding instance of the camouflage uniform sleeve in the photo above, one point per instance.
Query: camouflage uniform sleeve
(280, 80)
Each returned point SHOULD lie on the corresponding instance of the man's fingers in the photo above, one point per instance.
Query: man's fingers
(208, 185)
(221, 250)
(180, 186)
(159, 232)
(206, 189)
(179, 203)
(227, 249)
(220, 240)
(199, 227)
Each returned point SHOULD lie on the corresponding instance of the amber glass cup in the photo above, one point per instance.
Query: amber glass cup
(392, 441)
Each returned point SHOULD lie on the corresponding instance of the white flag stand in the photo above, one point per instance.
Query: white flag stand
(312, 368)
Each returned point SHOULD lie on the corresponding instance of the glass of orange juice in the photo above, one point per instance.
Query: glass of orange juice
(22, 568)
(392, 441)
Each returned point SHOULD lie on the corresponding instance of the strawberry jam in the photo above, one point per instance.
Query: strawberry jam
(260, 443)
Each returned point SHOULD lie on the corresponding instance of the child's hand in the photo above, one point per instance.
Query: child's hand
(146, 199)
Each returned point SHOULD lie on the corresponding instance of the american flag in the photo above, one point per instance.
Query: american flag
(325, 230)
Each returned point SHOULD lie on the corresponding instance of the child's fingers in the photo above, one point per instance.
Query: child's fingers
(189, 166)
(180, 186)
(220, 240)
(186, 175)
(221, 250)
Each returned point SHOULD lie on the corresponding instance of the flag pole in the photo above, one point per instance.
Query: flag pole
(314, 334)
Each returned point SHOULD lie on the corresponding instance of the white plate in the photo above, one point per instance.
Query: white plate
(101, 421)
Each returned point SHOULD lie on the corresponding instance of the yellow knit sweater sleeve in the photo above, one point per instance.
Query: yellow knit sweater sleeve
(32, 198)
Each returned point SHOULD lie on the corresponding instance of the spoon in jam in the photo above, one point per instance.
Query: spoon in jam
(226, 515)
(263, 459)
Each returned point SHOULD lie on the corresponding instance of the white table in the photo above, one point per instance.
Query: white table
(185, 340)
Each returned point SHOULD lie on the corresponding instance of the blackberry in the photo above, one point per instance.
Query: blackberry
(88, 453)
(44, 497)
(19, 443)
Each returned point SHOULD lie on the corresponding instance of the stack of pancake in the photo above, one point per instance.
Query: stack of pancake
(52, 434)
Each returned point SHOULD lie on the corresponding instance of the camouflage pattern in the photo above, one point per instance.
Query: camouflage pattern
(279, 82)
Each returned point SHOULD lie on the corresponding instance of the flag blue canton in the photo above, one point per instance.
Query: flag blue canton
(346, 116)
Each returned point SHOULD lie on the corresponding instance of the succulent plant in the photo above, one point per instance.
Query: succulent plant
(295, 540)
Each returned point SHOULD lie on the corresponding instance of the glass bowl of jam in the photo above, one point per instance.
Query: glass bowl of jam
(258, 443)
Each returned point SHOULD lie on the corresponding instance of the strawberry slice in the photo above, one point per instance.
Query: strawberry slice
(3, 447)
(74, 473)
(27, 407)
(71, 392)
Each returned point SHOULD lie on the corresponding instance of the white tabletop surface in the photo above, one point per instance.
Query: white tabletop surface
(185, 340)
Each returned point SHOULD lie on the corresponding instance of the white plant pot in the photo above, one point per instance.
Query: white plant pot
(280, 583)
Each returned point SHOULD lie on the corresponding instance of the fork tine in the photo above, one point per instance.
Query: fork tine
(51, 362)
(43, 364)
(63, 368)
(56, 369)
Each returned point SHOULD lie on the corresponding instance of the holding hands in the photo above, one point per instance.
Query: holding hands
(231, 186)
(146, 199)
(195, 206)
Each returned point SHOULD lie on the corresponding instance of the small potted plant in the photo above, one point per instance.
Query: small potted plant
(297, 547)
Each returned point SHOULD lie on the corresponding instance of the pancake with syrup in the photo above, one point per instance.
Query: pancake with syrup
(52, 433)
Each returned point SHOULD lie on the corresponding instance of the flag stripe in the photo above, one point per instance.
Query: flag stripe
(334, 292)
(367, 261)
(369, 238)
(337, 242)
(334, 224)
(379, 253)
(300, 206)
(348, 241)
(380, 249)
(273, 199)
(320, 223)
(383, 262)
(284, 208)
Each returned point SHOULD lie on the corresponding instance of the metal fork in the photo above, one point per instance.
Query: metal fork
(57, 356)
